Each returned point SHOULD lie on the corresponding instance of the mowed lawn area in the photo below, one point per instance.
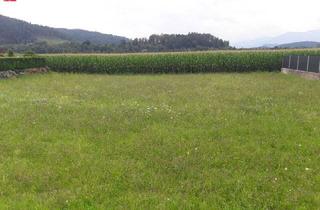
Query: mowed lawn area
(208, 141)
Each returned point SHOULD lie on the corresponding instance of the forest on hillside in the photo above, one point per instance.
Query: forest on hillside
(21, 36)
(155, 43)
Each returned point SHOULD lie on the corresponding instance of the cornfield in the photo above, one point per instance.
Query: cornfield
(193, 62)
(187, 62)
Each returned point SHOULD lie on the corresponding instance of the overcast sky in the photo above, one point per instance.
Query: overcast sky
(234, 20)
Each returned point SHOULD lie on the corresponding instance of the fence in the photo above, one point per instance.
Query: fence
(302, 63)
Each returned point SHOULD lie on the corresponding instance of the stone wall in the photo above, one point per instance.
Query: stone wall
(14, 73)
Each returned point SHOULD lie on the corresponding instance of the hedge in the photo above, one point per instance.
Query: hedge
(21, 63)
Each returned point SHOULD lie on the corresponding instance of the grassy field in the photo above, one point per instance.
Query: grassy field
(209, 141)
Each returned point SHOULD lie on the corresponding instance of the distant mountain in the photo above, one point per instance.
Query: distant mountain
(13, 31)
(291, 37)
(300, 45)
(254, 43)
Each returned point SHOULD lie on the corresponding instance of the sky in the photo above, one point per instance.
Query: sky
(234, 20)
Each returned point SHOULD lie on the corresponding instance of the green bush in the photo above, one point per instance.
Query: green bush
(21, 63)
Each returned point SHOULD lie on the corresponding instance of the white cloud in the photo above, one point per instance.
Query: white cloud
(229, 19)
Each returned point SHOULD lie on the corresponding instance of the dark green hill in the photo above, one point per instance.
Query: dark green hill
(78, 35)
(13, 31)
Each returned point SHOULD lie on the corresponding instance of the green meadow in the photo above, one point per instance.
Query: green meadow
(197, 141)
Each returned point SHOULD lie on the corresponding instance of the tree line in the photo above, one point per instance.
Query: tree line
(155, 43)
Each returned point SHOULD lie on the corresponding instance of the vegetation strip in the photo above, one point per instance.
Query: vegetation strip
(19, 63)
(193, 62)
(149, 63)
